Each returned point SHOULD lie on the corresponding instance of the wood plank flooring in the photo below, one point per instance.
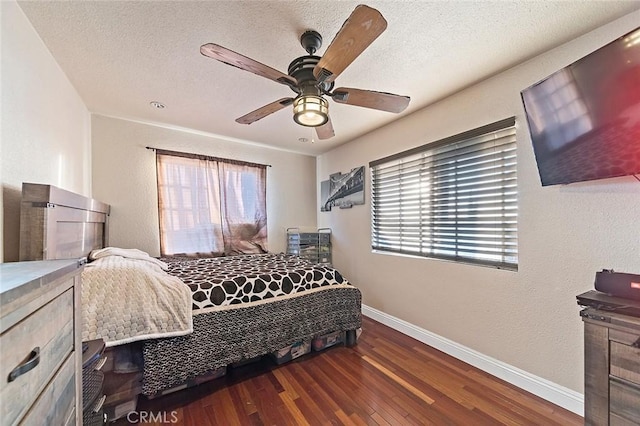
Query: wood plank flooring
(386, 379)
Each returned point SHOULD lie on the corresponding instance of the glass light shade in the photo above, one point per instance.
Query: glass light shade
(310, 110)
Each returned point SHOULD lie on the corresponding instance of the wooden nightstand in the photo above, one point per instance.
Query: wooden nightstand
(93, 397)
(611, 363)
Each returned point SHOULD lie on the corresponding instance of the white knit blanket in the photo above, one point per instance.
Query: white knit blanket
(125, 300)
(128, 253)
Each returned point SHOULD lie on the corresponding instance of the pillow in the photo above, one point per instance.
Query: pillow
(128, 253)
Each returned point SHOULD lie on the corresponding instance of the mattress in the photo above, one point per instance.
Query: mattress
(222, 337)
(247, 306)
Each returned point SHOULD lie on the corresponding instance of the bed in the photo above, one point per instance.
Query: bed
(240, 307)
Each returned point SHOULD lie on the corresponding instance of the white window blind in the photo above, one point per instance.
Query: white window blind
(454, 199)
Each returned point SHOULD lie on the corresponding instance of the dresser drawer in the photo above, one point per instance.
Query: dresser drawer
(615, 420)
(48, 330)
(625, 359)
(56, 404)
(624, 401)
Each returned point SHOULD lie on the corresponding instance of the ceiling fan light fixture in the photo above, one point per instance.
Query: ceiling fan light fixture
(310, 110)
(311, 77)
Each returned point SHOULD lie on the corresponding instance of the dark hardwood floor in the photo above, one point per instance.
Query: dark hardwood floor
(387, 379)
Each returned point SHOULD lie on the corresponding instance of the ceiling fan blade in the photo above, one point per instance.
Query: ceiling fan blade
(369, 99)
(264, 111)
(362, 27)
(326, 130)
(237, 60)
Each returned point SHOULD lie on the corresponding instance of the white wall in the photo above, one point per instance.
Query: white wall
(528, 319)
(124, 175)
(46, 127)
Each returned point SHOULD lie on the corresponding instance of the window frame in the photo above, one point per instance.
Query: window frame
(414, 233)
(207, 224)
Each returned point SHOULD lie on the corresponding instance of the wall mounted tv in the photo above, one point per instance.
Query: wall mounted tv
(584, 120)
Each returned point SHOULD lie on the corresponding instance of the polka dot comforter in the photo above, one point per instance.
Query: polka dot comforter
(225, 281)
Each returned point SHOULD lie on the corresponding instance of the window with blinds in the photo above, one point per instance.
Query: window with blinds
(454, 199)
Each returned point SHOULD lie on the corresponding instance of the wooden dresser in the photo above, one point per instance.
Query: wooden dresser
(40, 343)
(612, 367)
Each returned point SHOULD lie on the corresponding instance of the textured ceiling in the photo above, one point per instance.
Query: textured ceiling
(122, 55)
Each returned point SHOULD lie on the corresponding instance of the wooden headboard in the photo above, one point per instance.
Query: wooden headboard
(58, 224)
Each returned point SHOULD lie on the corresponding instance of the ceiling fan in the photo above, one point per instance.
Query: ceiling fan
(312, 77)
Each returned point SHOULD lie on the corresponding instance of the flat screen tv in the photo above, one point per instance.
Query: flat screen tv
(584, 120)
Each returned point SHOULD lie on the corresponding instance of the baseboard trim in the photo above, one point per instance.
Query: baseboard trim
(552, 392)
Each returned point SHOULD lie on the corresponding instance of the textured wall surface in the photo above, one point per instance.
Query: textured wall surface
(528, 319)
(122, 54)
(124, 175)
(45, 125)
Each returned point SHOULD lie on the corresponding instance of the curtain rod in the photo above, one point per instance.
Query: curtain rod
(207, 157)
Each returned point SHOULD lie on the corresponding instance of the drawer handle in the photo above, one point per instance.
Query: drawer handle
(27, 365)
(625, 382)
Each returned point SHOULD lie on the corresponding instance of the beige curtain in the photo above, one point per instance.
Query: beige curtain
(210, 206)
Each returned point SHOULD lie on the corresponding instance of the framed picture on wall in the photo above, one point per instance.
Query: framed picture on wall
(343, 190)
